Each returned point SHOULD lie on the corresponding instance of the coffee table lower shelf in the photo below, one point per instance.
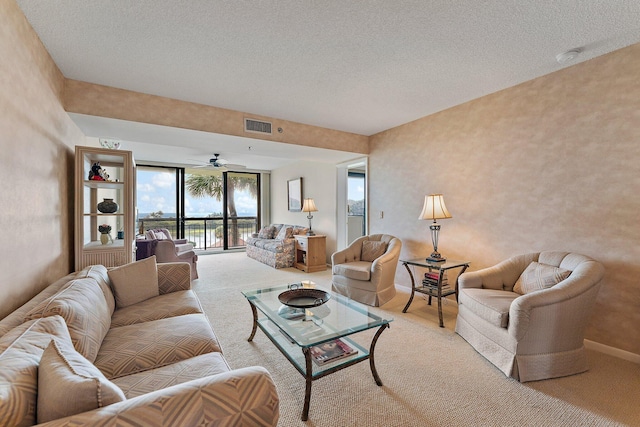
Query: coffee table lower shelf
(300, 357)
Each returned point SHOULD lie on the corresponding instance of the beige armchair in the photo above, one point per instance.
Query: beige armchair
(527, 315)
(365, 271)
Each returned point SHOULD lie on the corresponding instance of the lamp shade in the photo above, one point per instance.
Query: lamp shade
(434, 208)
(309, 206)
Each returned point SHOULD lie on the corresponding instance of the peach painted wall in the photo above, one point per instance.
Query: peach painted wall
(36, 165)
(551, 164)
(104, 101)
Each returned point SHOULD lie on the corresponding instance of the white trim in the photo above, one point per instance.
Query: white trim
(612, 351)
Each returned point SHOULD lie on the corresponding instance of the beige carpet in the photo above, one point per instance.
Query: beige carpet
(431, 376)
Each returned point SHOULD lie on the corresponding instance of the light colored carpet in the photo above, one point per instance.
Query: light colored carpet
(431, 376)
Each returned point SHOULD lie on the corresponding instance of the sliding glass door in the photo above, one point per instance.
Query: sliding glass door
(214, 210)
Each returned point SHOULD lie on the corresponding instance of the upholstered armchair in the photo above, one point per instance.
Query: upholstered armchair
(527, 315)
(164, 234)
(366, 269)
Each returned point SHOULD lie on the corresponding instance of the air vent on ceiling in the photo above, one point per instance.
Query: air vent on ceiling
(258, 126)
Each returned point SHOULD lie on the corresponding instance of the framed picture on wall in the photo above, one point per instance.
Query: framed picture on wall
(294, 194)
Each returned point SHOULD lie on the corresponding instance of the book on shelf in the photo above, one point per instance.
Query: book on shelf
(331, 351)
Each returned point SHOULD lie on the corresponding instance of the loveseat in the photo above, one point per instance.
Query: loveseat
(274, 245)
(124, 346)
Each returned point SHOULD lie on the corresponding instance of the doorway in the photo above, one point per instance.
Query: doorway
(352, 202)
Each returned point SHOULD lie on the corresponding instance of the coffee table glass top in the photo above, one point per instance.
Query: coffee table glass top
(338, 317)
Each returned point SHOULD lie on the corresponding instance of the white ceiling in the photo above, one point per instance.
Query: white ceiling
(356, 66)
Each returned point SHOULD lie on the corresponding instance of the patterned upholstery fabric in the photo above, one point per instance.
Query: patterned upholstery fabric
(136, 348)
(161, 307)
(16, 318)
(267, 232)
(20, 353)
(69, 384)
(242, 397)
(100, 274)
(179, 357)
(277, 253)
(177, 373)
(285, 232)
(83, 307)
(173, 276)
(539, 276)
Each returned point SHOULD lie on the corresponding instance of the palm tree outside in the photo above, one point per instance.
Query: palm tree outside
(212, 185)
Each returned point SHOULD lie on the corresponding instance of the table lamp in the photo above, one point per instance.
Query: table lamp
(309, 206)
(434, 208)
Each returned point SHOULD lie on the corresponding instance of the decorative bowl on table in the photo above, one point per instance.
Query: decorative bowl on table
(304, 297)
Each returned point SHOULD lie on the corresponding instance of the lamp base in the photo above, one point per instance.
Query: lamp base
(310, 233)
(435, 257)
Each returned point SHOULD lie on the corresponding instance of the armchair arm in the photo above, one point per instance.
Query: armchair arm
(383, 268)
(244, 396)
(180, 241)
(174, 276)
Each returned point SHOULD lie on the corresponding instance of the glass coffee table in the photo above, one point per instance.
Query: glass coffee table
(297, 331)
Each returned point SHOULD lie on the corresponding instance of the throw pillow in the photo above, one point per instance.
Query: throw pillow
(135, 282)
(372, 250)
(267, 232)
(285, 233)
(159, 235)
(69, 384)
(539, 276)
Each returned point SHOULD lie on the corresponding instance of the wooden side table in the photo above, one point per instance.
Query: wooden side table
(433, 286)
(310, 253)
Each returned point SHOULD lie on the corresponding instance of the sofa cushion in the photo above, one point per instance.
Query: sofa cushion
(267, 232)
(357, 270)
(489, 304)
(177, 373)
(160, 307)
(539, 276)
(20, 351)
(135, 282)
(286, 232)
(137, 348)
(85, 311)
(69, 384)
(372, 250)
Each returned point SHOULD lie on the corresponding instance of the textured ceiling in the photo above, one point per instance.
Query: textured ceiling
(356, 66)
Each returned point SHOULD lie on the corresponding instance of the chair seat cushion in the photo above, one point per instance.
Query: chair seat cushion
(488, 304)
(357, 270)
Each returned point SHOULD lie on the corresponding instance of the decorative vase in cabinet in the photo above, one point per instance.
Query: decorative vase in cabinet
(108, 206)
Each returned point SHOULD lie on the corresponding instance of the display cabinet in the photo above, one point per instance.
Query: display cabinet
(104, 207)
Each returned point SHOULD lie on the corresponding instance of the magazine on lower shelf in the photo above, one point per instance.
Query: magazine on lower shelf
(331, 351)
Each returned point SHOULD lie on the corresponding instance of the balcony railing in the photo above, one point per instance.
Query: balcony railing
(206, 233)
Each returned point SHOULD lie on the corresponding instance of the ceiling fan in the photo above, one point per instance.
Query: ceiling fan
(219, 164)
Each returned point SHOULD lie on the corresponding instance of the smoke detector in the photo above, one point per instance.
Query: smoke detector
(569, 55)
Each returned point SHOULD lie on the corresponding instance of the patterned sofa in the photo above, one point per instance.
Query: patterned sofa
(274, 245)
(91, 349)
